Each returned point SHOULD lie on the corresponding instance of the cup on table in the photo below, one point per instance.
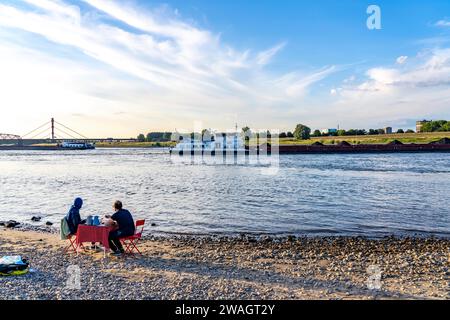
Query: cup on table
(96, 221)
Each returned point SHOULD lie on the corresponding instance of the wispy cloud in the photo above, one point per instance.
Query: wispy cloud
(395, 93)
(131, 68)
(265, 57)
(443, 23)
(150, 62)
(401, 59)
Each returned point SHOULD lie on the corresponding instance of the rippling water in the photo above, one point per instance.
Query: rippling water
(353, 194)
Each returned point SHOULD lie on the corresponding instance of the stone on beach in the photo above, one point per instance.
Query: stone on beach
(217, 267)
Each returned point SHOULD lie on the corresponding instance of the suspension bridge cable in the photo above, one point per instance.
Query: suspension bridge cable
(65, 133)
(46, 130)
(71, 130)
(47, 123)
(62, 131)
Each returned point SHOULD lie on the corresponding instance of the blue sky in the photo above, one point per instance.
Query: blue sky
(123, 67)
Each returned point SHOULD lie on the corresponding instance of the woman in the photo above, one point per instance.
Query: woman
(73, 216)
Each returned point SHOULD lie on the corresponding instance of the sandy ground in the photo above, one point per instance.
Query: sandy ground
(230, 268)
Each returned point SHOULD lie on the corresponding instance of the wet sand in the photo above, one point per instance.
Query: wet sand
(233, 268)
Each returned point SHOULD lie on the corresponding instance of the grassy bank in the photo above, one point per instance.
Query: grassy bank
(135, 144)
(418, 138)
(373, 139)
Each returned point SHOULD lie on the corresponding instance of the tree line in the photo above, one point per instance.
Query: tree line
(155, 137)
(436, 126)
(301, 132)
(356, 132)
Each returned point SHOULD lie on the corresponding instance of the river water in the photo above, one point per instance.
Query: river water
(371, 195)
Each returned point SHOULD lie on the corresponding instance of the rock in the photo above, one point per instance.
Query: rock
(153, 224)
(36, 219)
(11, 224)
(48, 223)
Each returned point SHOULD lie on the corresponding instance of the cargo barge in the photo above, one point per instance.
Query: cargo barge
(55, 147)
(442, 145)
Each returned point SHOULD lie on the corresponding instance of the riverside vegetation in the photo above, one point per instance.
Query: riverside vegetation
(425, 137)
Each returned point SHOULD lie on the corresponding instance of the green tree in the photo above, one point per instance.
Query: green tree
(206, 135)
(302, 132)
(167, 136)
(341, 132)
(141, 137)
(361, 132)
(317, 133)
(410, 131)
(400, 131)
(446, 126)
(246, 133)
(433, 126)
(245, 129)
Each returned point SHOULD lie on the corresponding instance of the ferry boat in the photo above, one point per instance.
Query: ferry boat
(217, 143)
(77, 145)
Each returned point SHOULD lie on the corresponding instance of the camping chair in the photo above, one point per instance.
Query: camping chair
(72, 244)
(130, 242)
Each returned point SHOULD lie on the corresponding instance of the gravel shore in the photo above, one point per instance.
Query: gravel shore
(232, 268)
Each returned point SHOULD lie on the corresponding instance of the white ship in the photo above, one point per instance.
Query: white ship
(217, 143)
(77, 145)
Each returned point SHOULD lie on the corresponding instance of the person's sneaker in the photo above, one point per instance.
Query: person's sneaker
(116, 253)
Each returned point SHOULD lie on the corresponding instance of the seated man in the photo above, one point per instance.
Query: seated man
(73, 217)
(125, 227)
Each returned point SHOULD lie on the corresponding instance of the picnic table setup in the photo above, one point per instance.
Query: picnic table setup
(95, 232)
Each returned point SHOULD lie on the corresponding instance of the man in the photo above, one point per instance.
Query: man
(125, 228)
(73, 216)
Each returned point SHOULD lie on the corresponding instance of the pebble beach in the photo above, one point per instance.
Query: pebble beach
(242, 267)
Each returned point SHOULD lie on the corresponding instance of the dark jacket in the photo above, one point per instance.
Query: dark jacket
(125, 222)
(73, 216)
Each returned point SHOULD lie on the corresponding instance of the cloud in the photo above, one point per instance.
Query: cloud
(443, 23)
(394, 94)
(264, 57)
(297, 85)
(149, 61)
(401, 59)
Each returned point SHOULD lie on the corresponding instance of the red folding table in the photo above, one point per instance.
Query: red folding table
(93, 234)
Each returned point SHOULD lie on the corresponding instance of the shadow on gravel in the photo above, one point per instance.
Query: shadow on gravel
(269, 278)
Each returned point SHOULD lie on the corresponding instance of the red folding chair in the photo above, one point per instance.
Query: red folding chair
(130, 242)
(72, 244)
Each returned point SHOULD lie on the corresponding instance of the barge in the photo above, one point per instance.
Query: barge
(442, 145)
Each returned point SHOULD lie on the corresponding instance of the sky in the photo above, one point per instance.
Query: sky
(110, 68)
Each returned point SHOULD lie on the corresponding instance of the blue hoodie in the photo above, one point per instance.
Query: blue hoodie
(73, 216)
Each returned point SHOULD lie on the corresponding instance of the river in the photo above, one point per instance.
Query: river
(371, 195)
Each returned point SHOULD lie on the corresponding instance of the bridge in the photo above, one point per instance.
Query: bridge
(51, 132)
(7, 136)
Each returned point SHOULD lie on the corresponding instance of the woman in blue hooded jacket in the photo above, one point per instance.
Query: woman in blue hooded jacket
(73, 216)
